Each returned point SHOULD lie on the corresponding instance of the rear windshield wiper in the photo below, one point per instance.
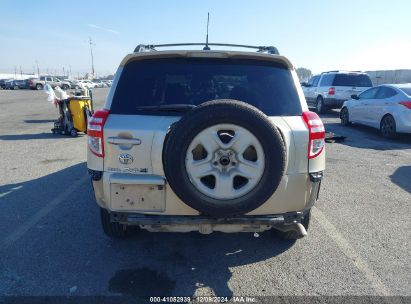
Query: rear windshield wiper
(175, 107)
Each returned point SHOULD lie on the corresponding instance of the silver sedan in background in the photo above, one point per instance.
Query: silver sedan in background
(386, 107)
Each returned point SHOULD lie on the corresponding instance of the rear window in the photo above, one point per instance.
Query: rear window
(327, 80)
(267, 86)
(352, 80)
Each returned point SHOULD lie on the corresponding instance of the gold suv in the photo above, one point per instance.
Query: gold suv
(206, 140)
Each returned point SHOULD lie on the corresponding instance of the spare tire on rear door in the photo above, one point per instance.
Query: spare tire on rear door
(224, 158)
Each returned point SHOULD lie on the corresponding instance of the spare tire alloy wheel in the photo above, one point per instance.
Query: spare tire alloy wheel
(224, 158)
(225, 161)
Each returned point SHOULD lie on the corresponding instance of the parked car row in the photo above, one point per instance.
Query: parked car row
(39, 83)
(385, 107)
(91, 83)
(13, 84)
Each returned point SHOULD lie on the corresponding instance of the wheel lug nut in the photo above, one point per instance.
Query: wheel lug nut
(215, 163)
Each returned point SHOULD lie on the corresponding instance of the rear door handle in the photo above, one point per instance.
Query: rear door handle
(124, 141)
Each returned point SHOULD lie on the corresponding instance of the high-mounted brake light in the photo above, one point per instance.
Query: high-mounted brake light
(316, 131)
(406, 104)
(331, 91)
(95, 132)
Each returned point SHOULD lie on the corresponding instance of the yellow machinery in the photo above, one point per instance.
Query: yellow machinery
(79, 107)
(74, 114)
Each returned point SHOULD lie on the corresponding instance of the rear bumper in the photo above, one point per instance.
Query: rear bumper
(334, 102)
(403, 121)
(148, 219)
(191, 221)
(205, 225)
(122, 192)
(278, 210)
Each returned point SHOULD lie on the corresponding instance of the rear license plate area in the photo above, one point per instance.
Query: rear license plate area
(147, 198)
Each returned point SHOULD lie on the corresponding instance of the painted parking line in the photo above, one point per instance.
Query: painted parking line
(33, 220)
(8, 192)
(349, 251)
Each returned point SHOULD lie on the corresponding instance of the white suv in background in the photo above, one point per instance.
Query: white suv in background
(329, 90)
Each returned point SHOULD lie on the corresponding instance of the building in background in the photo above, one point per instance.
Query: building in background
(390, 76)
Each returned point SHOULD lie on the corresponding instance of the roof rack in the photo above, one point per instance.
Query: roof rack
(340, 71)
(152, 47)
(335, 71)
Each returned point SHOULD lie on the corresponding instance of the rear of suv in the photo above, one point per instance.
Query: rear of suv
(329, 90)
(206, 141)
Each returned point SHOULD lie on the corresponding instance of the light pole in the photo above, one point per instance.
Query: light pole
(38, 70)
(91, 53)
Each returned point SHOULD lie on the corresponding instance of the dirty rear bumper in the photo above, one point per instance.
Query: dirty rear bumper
(132, 218)
(207, 225)
(148, 219)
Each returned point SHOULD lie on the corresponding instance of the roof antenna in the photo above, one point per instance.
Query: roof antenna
(207, 48)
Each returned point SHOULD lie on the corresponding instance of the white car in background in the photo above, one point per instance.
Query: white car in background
(386, 107)
(100, 84)
(87, 83)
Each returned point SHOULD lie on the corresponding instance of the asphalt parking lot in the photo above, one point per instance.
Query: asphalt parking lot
(51, 243)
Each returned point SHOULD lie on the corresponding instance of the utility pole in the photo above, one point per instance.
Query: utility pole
(71, 74)
(21, 72)
(64, 72)
(91, 53)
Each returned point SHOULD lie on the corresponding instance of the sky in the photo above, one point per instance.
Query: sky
(318, 35)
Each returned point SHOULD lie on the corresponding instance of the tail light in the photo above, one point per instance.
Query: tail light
(316, 131)
(331, 91)
(406, 104)
(95, 132)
